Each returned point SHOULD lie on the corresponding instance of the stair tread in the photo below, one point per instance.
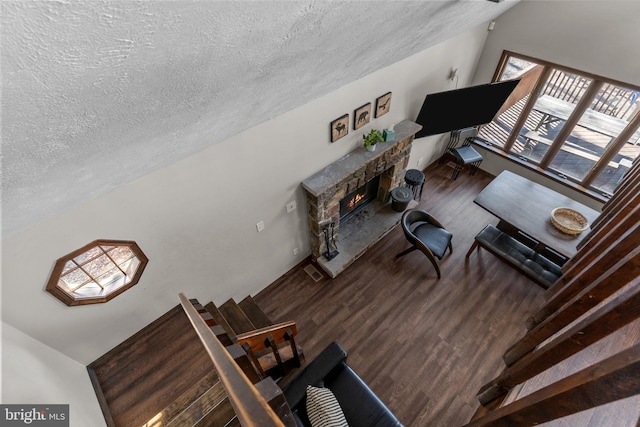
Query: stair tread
(208, 402)
(233, 423)
(221, 415)
(236, 318)
(219, 318)
(176, 407)
(252, 310)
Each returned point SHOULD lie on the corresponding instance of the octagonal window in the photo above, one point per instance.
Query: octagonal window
(97, 272)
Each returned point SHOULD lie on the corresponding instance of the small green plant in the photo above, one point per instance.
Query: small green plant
(372, 138)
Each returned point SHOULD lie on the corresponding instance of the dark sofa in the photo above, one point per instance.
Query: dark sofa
(360, 405)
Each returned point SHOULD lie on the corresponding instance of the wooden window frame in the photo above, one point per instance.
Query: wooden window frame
(58, 271)
(585, 184)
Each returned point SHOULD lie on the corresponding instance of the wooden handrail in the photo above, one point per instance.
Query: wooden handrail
(256, 338)
(249, 405)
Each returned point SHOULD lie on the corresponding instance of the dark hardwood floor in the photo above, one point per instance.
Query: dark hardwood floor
(425, 346)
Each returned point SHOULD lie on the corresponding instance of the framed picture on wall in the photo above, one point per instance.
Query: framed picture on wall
(339, 127)
(383, 104)
(362, 116)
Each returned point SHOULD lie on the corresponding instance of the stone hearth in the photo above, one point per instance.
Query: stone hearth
(328, 186)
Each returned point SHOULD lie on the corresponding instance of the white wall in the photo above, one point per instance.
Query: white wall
(35, 373)
(196, 219)
(599, 37)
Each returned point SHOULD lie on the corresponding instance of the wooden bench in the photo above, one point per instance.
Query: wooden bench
(521, 257)
(533, 138)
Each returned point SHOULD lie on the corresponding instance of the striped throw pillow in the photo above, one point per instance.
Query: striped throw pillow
(323, 408)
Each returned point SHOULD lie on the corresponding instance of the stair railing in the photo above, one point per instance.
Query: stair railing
(249, 405)
(268, 338)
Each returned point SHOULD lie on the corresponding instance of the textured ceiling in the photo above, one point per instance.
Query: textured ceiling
(98, 93)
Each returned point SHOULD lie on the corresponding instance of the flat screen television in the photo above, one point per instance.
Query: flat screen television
(460, 108)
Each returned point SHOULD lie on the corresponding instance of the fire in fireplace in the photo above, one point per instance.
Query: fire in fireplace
(357, 199)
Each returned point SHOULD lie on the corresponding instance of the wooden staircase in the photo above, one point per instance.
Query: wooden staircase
(271, 348)
(169, 380)
(259, 347)
(204, 404)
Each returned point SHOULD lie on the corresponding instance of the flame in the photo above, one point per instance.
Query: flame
(354, 200)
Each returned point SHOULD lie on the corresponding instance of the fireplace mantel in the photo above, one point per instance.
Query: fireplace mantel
(327, 187)
(345, 167)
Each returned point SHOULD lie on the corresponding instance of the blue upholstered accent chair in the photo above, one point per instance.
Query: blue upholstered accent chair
(465, 154)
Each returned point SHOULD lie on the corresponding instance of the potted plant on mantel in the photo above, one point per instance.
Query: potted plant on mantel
(372, 138)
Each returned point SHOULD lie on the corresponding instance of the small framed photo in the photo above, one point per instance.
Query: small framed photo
(339, 127)
(383, 104)
(362, 116)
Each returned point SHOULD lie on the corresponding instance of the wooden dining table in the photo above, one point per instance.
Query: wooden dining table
(524, 205)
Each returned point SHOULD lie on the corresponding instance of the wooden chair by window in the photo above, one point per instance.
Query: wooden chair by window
(464, 154)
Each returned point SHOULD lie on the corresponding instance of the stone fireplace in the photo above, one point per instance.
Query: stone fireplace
(348, 179)
(357, 199)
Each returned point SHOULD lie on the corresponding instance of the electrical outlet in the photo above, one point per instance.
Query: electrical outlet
(420, 161)
(295, 251)
(260, 226)
(291, 206)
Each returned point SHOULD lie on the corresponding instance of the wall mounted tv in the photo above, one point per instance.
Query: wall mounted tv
(460, 108)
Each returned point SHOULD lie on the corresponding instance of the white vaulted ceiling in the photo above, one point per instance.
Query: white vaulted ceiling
(98, 93)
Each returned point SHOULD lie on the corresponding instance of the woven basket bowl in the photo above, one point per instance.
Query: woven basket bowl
(569, 221)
